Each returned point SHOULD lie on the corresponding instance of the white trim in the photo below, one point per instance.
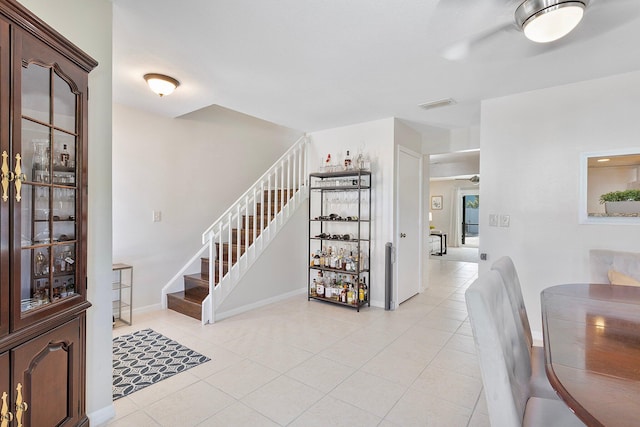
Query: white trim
(147, 308)
(258, 304)
(101, 416)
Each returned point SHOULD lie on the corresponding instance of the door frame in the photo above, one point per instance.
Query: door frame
(396, 222)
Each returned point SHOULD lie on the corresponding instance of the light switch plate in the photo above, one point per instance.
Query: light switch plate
(157, 216)
(505, 220)
(493, 220)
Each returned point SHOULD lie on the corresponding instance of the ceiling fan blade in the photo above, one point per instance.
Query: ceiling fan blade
(459, 26)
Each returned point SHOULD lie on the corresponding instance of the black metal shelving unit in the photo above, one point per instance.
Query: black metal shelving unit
(340, 224)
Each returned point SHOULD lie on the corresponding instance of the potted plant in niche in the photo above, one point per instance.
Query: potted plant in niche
(621, 202)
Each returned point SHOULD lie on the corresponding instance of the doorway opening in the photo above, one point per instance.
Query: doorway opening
(470, 232)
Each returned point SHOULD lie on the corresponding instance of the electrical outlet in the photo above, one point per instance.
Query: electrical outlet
(157, 216)
(483, 257)
(504, 220)
(493, 220)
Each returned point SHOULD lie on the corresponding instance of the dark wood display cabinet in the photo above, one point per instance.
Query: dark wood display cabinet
(340, 237)
(43, 214)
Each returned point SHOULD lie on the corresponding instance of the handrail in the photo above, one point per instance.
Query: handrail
(275, 165)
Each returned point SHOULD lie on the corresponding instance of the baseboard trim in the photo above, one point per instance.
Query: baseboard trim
(147, 308)
(224, 314)
(101, 416)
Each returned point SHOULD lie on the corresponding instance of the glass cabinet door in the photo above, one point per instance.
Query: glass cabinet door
(48, 194)
(5, 174)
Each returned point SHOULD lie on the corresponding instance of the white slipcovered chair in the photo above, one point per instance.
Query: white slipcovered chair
(540, 386)
(505, 363)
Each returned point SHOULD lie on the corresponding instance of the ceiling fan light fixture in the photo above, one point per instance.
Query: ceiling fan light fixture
(544, 21)
(161, 84)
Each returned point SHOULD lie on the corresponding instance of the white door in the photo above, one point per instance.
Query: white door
(407, 269)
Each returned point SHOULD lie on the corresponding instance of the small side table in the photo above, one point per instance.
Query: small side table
(443, 243)
(122, 294)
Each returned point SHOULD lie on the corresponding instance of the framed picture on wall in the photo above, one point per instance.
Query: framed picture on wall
(436, 202)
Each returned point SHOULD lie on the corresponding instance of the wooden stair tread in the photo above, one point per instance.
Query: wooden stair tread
(177, 301)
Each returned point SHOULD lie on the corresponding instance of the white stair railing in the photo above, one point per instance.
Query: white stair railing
(260, 213)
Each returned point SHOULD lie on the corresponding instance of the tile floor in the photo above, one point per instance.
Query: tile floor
(301, 363)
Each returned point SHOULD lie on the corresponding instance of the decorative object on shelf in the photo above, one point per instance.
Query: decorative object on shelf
(436, 202)
(145, 357)
(161, 84)
(339, 237)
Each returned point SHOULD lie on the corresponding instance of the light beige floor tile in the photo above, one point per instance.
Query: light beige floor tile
(221, 359)
(440, 323)
(242, 378)
(350, 354)
(283, 399)
(190, 406)
(415, 409)
(456, 388)
(462, 342)
(321, 373)
(448, 313)
(238, 415)
(335, 413)
(124, 406)
(147, 396)
(137, 419)
(280, 357)
(457, 361)
(369, 392)
(393, 366)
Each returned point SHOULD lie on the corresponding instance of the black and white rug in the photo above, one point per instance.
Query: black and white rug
(146, 357)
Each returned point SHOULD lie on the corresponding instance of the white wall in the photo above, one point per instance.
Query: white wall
(377, 140)
(531, 144)
(88, 25)
(191, 169)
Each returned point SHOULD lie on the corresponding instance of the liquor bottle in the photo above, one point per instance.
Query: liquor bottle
(360, 291)
(366, 289)
(347, 162)
(314, 286)
(64, 156)
(320, 291)
(350, 298)
(316, 259)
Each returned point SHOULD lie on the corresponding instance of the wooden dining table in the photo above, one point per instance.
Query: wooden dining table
(592, 350)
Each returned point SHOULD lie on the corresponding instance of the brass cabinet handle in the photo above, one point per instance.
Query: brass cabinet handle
(21, 406)
(7, 176)
(19, 177)
(5, 416)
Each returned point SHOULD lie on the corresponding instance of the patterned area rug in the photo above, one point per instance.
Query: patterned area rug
(146, 357)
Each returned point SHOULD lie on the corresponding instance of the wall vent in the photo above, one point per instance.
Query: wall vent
(437, 104)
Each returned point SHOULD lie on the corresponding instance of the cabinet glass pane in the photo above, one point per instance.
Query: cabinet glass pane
(64, 105)
(35, 289)
(36, 90)
(35, 151)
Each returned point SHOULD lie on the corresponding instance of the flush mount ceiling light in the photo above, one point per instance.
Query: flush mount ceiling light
(544, 21)
(161, 84)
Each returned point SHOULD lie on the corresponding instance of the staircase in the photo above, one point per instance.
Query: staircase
(196, 286)
(236, 239)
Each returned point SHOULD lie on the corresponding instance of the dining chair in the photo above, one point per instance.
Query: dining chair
(540, 386)
(505, 363)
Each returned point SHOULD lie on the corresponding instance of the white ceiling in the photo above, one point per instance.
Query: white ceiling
(318, 64)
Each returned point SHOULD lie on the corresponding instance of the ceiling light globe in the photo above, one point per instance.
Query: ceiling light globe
(161, 84)
(554, 22)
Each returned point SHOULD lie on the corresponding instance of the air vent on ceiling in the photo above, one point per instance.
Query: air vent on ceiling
(437, 104)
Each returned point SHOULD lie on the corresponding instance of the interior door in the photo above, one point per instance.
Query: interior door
(408, 189)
